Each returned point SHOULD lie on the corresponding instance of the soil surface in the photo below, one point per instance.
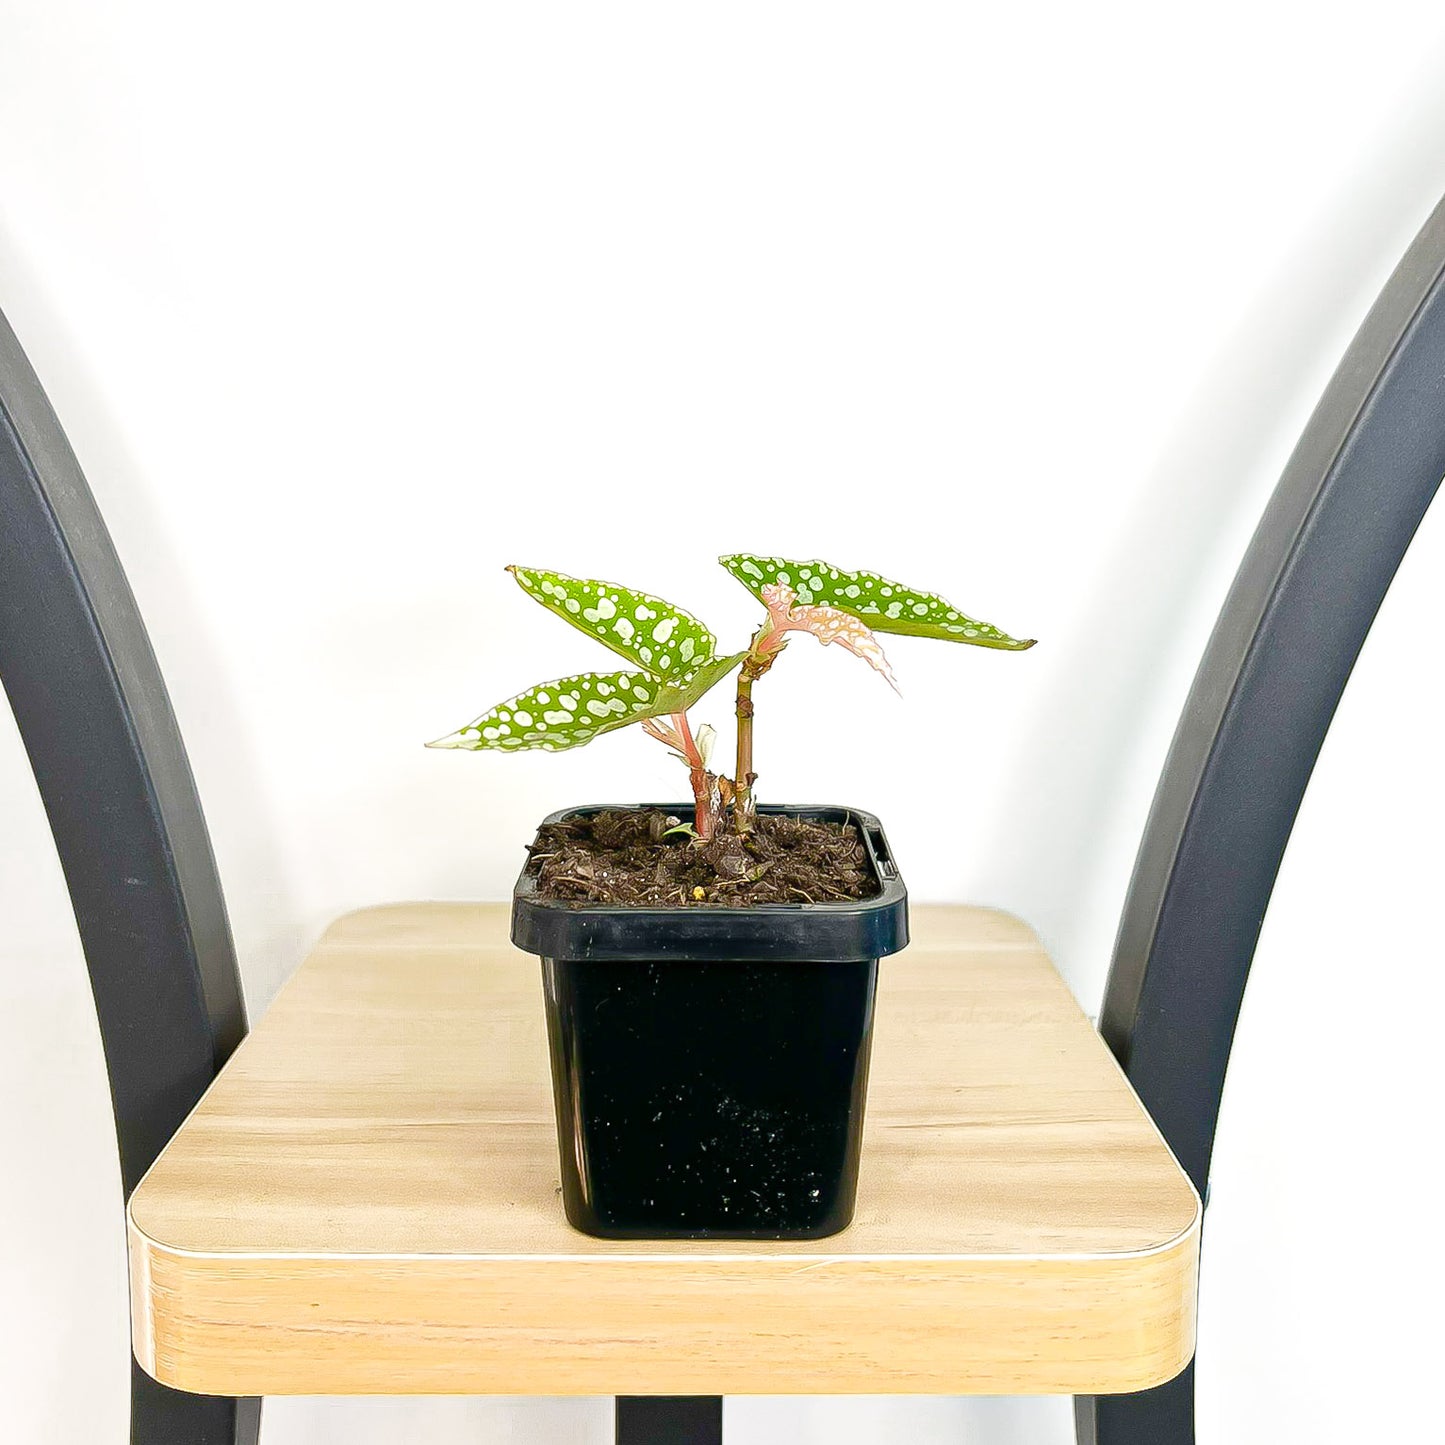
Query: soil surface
(621, 857)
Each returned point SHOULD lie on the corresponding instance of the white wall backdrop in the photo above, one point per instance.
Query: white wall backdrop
(345, 306)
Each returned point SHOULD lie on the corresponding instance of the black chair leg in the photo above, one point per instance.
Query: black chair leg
(160, 1416)
(669, 1420)
(1161, 1416)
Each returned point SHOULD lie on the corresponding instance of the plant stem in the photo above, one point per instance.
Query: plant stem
(763, 651)
(744, 807)
(706, 799)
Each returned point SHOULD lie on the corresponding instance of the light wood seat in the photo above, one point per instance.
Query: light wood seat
(366, 1199)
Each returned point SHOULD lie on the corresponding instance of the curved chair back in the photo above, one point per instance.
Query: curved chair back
(1368, 465)
(97, 724)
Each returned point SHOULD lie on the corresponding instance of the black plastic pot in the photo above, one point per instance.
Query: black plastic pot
(709, 1064)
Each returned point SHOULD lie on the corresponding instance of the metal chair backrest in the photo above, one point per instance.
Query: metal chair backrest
(1327, 548)
(113, 776)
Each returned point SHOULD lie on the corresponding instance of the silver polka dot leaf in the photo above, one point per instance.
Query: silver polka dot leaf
(652, 634)
(571, 711)
(885, 605)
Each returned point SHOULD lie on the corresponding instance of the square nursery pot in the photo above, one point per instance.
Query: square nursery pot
(709, 1064)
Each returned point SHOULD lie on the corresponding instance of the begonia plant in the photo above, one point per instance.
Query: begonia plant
(675, 660)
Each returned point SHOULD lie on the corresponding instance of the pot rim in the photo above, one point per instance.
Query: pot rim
(834, 932)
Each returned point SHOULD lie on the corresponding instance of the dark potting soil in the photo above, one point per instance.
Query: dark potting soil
(621, 857)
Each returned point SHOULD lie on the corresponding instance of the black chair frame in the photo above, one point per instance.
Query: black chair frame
(117, 788)
(1326, 550)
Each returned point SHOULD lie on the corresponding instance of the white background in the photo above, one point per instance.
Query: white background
(345, 306)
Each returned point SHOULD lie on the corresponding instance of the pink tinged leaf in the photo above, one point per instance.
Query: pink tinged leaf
(677, 735)
(664, 732)
(778, 598)
(828, 625)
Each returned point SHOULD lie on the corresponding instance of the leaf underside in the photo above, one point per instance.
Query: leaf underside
(885, 605)
(651, 634)
(828, 625)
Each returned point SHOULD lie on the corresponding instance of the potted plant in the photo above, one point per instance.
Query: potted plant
(708, 980)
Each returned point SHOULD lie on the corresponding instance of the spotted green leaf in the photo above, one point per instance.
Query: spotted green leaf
(562, 714)
(573, 710)
(886, 606)
(679, 694)
(650, 633)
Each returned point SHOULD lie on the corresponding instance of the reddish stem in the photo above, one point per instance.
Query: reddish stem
(706, 792)
(707, 800)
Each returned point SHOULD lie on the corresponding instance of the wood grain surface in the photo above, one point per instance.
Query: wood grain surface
(366, 1201)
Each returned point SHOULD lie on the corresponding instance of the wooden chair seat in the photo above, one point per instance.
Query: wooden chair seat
(366, 1199)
